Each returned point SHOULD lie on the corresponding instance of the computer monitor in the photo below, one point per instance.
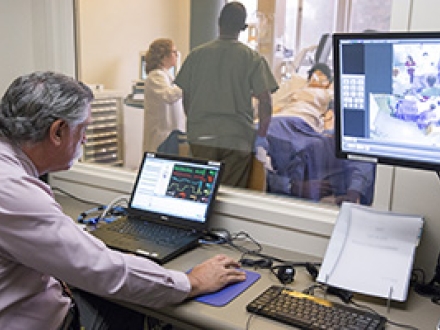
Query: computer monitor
(387, 98)
(142, 63)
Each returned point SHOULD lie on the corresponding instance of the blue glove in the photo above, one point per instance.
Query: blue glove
(261, 141)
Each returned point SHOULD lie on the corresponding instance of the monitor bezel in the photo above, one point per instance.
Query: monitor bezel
(176, 220)
(338, 131)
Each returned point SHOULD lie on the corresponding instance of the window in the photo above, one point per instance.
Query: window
(370, 15)
(290, 25)
(304, 164)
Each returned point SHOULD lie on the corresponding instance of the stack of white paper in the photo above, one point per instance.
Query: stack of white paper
(371, 252)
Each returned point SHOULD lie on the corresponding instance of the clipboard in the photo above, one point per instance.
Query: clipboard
(230, 292)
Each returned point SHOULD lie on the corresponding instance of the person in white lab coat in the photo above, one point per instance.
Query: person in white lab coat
(163, 100)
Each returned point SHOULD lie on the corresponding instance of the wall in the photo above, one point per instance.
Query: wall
(17, 53)
(112, 33)
(35, 35)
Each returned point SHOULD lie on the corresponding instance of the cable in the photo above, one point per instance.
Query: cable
(86, 217)
(400, 325)
(311, 289)
(112, 208)
(348, 300)
(432, 288)
(216, 236)
(264, 305)
(285, 271)
(74, 197)
(242, 249)
(415, 278)
(112, 204)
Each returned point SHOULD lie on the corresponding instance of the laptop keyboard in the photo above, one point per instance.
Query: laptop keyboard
(162, 235)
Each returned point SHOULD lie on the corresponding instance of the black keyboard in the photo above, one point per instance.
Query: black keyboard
(164, 235)
(309, 312)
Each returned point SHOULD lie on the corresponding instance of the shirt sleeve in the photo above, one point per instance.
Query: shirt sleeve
(262, 78)
(158, 84)
(38, 235)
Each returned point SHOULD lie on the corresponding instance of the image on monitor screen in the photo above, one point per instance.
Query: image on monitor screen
(387, 98)
(142, 64)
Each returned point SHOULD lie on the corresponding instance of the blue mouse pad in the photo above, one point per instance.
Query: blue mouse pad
(228, 293)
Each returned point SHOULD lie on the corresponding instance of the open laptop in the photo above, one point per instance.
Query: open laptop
(169, 208)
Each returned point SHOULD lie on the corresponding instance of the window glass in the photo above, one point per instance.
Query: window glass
(290, 36)
(370, 15)
(300, 162)
(317, 19)
(249, 36)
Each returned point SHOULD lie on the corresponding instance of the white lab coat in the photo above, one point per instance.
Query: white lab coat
(163, 109)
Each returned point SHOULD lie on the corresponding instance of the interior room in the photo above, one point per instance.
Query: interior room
(101, 42)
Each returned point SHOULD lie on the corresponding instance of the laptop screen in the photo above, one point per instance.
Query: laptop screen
(171, 188)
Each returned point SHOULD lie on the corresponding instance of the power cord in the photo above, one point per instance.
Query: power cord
(284, 271)
(371, 310)
(347, 297)
(74, 197)
(430, 289)
(243, 236)
(248, 322)
(107, 213)
(113, 205)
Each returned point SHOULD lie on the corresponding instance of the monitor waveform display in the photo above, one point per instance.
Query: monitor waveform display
(191, 183)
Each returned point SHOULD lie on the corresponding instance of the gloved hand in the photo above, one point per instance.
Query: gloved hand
(352, 196)
(261, 141)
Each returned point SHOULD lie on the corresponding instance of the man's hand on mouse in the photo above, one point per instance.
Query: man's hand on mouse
(214, 274)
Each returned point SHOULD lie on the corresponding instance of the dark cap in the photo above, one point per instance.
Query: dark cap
(233, 17)
(324, 68)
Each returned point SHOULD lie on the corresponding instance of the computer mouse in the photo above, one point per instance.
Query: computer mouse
(438, 325)
(220, 234)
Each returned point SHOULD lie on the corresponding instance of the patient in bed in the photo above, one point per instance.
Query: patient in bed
(306, 99)
(302, 147)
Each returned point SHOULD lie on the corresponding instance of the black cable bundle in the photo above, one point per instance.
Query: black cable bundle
(432, 288)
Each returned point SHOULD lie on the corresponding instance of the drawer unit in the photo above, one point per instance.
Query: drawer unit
(105, 134)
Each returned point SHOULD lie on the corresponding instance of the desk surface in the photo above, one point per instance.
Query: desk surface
(417, 311)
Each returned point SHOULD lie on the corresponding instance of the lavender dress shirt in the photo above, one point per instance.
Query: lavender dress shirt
(39, 243)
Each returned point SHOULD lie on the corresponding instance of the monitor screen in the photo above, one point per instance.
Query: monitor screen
(175, 187)
(142, 64)
(387, 98)
(142, 73)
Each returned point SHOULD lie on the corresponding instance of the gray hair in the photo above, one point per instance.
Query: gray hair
(33, 102)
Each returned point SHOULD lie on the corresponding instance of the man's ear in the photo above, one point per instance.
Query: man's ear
(56, 131)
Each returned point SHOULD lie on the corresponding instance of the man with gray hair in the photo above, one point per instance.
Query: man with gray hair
(43, 119)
